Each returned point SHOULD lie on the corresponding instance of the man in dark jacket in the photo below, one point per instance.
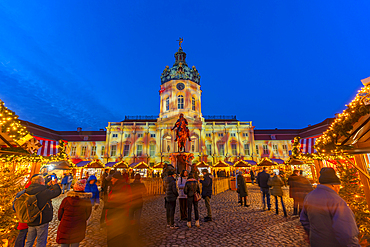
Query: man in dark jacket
(262, 179)
(326, 216)
(39, 228)
(207, 193)
(293, 184)
(171, 197)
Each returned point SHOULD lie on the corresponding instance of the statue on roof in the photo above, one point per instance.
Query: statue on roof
(180, 41)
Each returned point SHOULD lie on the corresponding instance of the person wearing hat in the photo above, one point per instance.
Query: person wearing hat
(207, 193)
(326, 217)
(73, 213)
(171, 197)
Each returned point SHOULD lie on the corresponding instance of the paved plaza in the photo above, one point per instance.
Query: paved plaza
(233, 225)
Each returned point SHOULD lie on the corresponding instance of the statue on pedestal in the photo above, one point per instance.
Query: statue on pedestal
(182, 132)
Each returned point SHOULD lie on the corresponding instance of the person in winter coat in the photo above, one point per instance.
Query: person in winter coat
(326, 217)
(303, 188)
(181, 181)
(293, 185)
(276, 183)
(39, 227)
(106, 188)
(192, 187)
(207, 193)
(70, 179)
(138, 191)
(171, 197)
(262, 179)
(252, 176)
(119, 232)
(242, 189)
(93, 188)
(64, 183)
(73, 213)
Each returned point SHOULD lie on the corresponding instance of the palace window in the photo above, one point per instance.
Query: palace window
(265, 149)
(193, 103)
(127, 135)
(285, 149)
(93, 150)
(221, 149)
(167, 104)
(73, 151)
(257, 150)
(139, 150)
(126, 150)
(245, 134)
(246, 149)
(180, 102)
(232, 134)
(152, 135)
(102, 150)
(220, 134)
(208, 134)
(113, 150)
(139, 135)
(83, 150)
(192, 148)
(209, 149)
(233, 149)
(152, 149)
(115, 135)
(275, 148)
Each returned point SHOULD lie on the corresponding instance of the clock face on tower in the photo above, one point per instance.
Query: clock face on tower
(180, 86)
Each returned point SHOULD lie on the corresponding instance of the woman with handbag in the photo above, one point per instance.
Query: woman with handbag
(192, 190)
(242, 189)
(183, 201)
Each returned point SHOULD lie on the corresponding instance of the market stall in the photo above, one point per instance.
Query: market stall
(84, 169)
(121, 166)
(158, 169)
(223, 169)
(139, 167)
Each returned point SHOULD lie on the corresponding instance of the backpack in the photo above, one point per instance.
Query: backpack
(26, 208)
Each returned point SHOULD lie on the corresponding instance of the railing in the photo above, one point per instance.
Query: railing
(141, 118)
(219, 117)
(155, 186)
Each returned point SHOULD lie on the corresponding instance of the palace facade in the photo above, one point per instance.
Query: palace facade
(152, 140)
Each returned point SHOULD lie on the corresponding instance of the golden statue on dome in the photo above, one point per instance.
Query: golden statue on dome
(180, 41)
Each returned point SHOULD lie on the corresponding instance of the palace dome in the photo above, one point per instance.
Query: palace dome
(180, 70)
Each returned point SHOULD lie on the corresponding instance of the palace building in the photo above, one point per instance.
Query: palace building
(152, 140)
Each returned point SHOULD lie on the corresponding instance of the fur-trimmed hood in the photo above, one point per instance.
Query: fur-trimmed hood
(82, 195)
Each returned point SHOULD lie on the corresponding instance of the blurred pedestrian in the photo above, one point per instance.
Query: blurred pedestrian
(252, 177)
(326, 217)
(191, 188)
(70, 180)
(93, 188)
(138, 191)
(73, 213)
(207, 193)
(64, 182)
(262, 179)
(303, 187)
(181, 181)
(276, 183)
(171, 197)
(119, 232)
(293, 185)
(242, 189)
(106, 188)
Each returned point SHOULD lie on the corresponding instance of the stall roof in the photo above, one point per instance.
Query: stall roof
(83, 163)
(121, 164)
(252, 162)
(110, 164)
(279, 161)
(202, 164)
(242, 163)
(267, 162)
(60, 165)
(223, 164)
(139, 165)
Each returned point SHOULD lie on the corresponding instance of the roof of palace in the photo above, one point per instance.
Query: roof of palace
(180, 70)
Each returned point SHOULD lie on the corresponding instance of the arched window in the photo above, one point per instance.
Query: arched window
(193, 103)
(167, 104)
(180, 102)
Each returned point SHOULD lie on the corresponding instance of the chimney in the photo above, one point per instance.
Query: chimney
(79, 129)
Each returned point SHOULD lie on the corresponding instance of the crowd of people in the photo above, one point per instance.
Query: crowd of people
(325, 216)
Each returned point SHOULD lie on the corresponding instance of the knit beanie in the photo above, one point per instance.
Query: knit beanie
(79, 186)
(328, 176)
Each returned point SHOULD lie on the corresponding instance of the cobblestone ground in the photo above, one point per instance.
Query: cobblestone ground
(232, 224)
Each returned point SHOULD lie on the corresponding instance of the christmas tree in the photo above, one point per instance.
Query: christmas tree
(352, 192)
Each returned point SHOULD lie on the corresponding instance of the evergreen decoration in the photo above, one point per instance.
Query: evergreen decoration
(11, 182)
(352, 192)
(10, 124)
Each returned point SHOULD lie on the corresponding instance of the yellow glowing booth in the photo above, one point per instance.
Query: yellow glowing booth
(139, 167)
(223, 168)
(200, 166)
(91, 167)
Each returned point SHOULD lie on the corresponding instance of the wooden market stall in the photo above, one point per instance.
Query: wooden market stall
(158, 169)
(139, 167)
(88, 168)
(222, 168)
(200, 166)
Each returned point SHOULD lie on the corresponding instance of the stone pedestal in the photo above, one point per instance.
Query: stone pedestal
(181, 161)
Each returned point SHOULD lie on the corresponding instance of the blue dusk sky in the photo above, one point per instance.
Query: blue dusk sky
(280, 64)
